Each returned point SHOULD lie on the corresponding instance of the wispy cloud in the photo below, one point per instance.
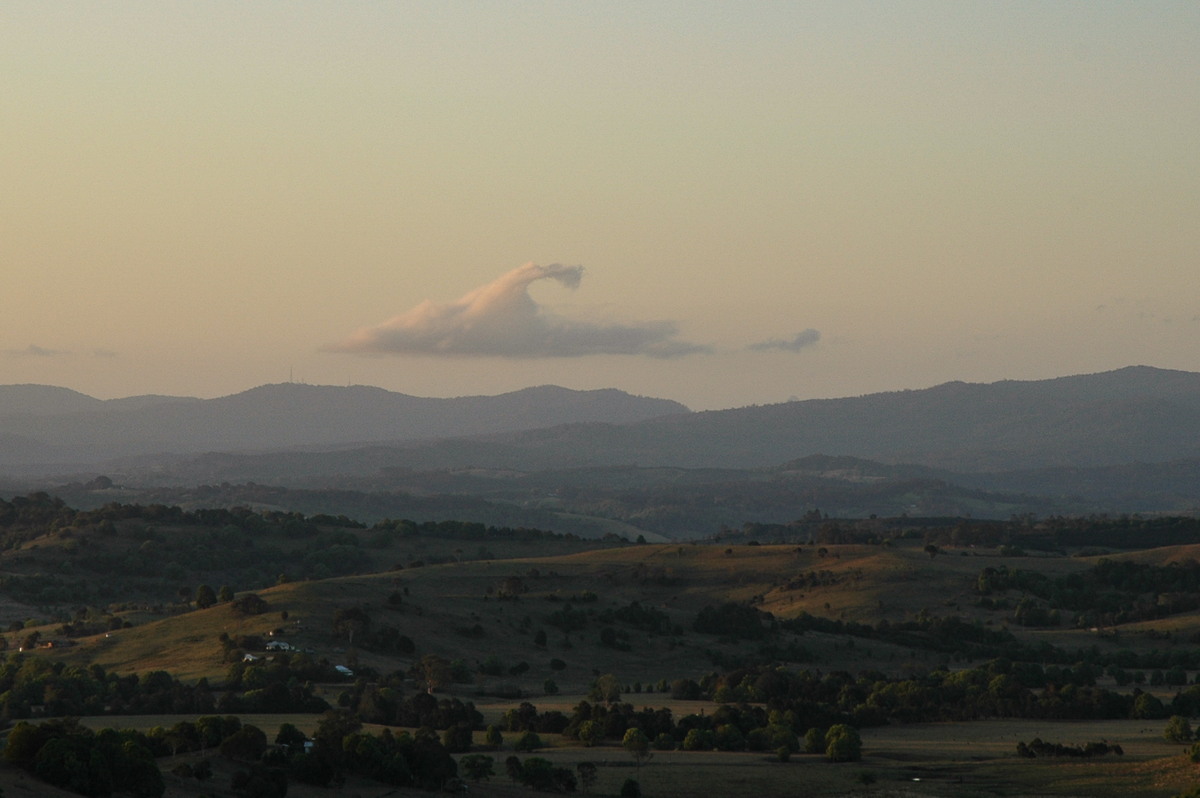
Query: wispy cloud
(802, 340)
(33, 350)
(500, 319)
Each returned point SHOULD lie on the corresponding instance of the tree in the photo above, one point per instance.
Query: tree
(477, 767)
(529, 741)
(493, 737)
(1148, 707)
(249, 604)
(247, 744)
(335, 726)
(260, 782)
(350, 621)
(457, 738)
(842, 744)
(637, 744)
(587, 774)
(631, 789)
(205, 597)
(538, 773)
(590, 732)
(435, 671)
(607, 689)
(1178, 730)
(225, 594)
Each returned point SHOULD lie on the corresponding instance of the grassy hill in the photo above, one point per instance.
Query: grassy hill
(911, 609)
(456, 610)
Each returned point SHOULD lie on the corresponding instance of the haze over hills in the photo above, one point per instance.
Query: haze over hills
(42, 426)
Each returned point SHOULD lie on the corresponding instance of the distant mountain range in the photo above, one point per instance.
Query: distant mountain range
(43, 427)
(1121, 441)
(1134, 415)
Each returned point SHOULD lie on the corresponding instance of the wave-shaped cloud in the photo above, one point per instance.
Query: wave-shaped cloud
(802, 340)
(500, 319)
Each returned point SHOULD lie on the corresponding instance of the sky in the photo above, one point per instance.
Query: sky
(719, 203)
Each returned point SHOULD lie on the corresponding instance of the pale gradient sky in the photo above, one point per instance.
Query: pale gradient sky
(197, 198)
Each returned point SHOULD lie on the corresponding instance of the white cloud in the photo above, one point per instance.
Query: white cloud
(802, 340)
(500, 319)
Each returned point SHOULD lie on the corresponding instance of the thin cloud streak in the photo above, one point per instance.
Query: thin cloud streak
(802, 340)
(500, 319)
(33, 350)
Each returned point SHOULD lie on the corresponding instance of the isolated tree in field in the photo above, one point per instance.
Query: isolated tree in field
(842, 744)
(225, 595)
(638, 745)
(205, 597)
(1178, 730)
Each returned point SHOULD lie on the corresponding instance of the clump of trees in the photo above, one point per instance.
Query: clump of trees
(1039, 748)
(73, 757)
